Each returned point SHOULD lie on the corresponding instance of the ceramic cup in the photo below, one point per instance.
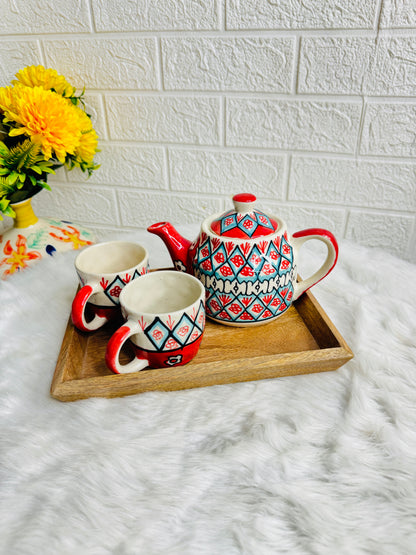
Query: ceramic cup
(103, 270)
(165, 321)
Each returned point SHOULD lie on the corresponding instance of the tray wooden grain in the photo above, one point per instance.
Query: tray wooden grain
(301, 341)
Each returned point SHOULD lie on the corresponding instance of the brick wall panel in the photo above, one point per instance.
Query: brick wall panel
(227, 172)
(147, 15)
(15, 55)
(357, 183)
(357, 65)
(393, 71)
(398, 14)
(248, 64)
(304, 217)
(186, 120)
(126, 166)
(320, 126)
(287, 14)
(141, 209)
(387, 231)
(389, 129)
(334, 65)
(45, 16)
(78, 204)
(126, 63)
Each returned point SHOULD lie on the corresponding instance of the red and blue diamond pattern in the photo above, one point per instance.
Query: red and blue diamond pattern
(245, 282)
(249, 307)
(170, 334)
(243, 225)
(112, 289)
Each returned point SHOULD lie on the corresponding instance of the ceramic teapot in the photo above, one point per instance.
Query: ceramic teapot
(247, 262)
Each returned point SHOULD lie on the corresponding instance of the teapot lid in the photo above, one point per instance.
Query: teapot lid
(244, 222)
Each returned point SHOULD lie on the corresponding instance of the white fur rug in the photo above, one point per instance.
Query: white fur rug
(317, 464)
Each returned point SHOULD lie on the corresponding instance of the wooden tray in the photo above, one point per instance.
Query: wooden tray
(301, 341)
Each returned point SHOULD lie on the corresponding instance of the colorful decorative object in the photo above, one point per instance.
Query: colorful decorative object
(247, 262)
(43, 126)
(32, 238)
(165, 321)
(103, 270)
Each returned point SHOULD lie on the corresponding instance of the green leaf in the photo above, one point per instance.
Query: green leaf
(13, 176)
(46, 169)
(6, 209)
(4, 151)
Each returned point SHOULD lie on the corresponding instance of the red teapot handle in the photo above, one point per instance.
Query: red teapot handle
(298, 239)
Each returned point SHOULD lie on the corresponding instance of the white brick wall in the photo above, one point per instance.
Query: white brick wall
(293, 124)
(310, 105)
(221, 64)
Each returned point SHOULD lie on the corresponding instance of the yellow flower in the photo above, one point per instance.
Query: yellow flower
(47, 118)
(84, 119)
(87, 147)
(48, 79)
(6, 97)
(88, 141)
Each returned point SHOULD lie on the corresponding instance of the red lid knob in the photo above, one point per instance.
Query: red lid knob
(244, 202)
(244, 197)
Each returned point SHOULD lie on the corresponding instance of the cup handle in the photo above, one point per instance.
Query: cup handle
(78, 309)
(326, 237)
(116, 342)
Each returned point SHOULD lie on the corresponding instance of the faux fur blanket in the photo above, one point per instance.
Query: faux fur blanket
(315, 464)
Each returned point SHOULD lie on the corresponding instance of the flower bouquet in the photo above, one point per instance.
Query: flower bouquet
(43, 126)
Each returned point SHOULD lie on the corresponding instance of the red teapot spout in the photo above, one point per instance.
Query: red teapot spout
(177, 245)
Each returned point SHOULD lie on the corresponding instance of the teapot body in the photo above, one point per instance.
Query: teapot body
(247, 281)
(247, 262)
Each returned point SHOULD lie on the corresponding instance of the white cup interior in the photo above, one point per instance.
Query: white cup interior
(161, 292)
(110, 258)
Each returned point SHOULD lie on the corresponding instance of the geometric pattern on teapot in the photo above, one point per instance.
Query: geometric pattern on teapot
(247, 224)
(245, 282)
